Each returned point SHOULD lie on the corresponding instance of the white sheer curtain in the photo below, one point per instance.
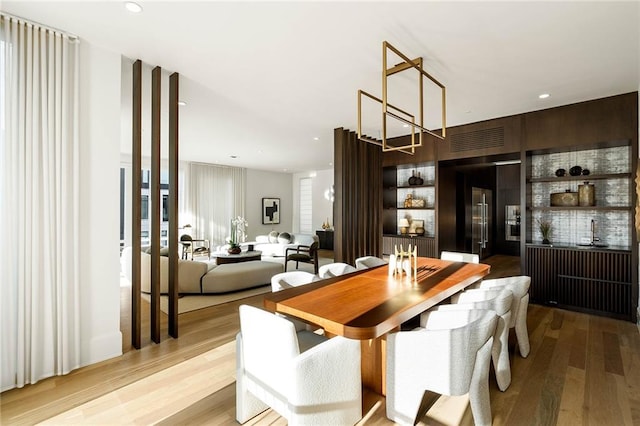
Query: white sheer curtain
(39, 195)
(216, 195)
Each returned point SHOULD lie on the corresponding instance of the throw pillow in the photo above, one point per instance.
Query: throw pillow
(284, 238)
(273, 236)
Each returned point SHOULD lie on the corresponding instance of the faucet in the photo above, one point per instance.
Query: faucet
(594, 239)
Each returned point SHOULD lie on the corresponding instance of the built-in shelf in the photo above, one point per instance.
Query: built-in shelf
(558, 208)
(579, 178)
(426, 185)
(410, 208)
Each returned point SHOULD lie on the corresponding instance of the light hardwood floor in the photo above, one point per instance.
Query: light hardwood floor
(582, 369)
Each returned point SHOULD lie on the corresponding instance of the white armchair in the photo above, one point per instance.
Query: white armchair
(335, 269)
(450, 356)
(460, 257)
(304, 377)
(499, 301)
(366, 262)
(519, 286)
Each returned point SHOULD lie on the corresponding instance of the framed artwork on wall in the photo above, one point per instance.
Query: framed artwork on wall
(270, 211)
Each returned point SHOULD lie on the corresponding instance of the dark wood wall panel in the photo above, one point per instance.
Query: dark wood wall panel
(358, 198)
(136, 204)
(484, 138)
(585, 123)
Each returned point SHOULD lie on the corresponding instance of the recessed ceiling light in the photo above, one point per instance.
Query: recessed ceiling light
(405, 125)
(544, 96)
(182, 103)
(233, 156)
(133, 7)
(316, 138)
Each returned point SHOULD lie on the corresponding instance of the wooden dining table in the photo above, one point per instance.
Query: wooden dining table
(366, 305)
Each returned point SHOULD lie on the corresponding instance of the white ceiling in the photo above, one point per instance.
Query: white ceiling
(263, 79)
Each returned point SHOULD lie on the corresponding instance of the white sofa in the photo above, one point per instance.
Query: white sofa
(275, 245)
(196, 277)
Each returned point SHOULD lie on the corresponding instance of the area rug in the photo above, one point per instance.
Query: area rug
(194, 302)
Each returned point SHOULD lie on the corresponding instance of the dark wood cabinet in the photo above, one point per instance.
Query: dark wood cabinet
(588, 280)
(326, 239)
(426, 245)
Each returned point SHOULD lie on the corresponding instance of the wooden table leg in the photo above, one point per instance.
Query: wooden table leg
(373, 364)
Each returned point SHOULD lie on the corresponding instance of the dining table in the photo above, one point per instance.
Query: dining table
(368, 304)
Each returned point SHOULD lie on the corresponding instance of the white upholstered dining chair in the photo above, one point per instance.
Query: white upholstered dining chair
(306, 378)
(366, 262)
(335, 269)
(519, 286)
(456, 256)
(450, 355)
(497, 300)
(290, 279)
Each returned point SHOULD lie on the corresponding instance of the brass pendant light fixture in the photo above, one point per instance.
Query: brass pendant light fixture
(397, 113)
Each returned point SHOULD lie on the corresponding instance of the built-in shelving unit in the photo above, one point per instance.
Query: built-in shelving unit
(611, 176)
(565, 273)
(420, 212)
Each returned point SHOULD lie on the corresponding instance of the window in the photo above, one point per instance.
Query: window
(306, 206)
(144, 207)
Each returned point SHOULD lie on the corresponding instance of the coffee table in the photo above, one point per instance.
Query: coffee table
(244, 256)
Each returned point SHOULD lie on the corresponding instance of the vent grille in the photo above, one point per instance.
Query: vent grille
(479, 139)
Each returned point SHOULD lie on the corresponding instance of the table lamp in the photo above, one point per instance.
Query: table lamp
(404, 225)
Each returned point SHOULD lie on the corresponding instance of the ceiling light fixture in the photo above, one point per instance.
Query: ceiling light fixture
(395, 112)
(182, 103)
(133, 7)
(544, 96)
(316, 138)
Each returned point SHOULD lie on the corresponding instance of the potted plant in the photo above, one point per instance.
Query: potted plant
(545, 229)
(238, 226)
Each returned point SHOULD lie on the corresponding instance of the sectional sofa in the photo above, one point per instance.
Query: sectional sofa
(276, 243)
(195, 277)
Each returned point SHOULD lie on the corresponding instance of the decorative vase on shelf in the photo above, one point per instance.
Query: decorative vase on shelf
(412, 179)
(419, 180)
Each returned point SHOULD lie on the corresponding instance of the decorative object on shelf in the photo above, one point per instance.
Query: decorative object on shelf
(238, 235)
(404, 262)
(270, 211)
(561, 172)
(419, 180)
(408, 201)
(586, 172)
(415, 224)
(564, 199)
(586, 194)
(326, 225)
(404, 225)
(395, 112)
(413, 178)
(575, 171)
(545, 229)
(417, 203)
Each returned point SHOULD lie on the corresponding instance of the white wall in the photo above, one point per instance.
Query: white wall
(99, 203)
(262, 184)
(321, 182)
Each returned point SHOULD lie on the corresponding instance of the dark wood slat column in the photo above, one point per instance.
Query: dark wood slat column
(156, 87)
(136, 209)
(173, 204)
(358, 198)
